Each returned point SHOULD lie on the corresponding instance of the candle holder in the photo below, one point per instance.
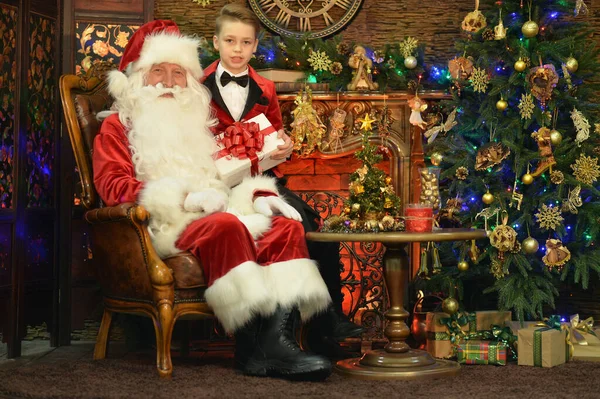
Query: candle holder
(430, 187)
(418, 218)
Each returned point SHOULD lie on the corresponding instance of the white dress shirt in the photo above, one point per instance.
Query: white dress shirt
(234, 96)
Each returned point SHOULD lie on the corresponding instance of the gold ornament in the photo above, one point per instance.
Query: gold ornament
(488, 35)
(501, 105)
(520, 65)
(500, 30)
(479, 80)
(430, 187)
(460, 68)
(491, 154)
(355, 207)
(530, 29)
(497, 270)
(557, 177)
(474, 21)
(582, 125)
(462, 173)
(388, 180)
(549, 217)
(543, 80)
(407, 46)
(556, 254)
(572, 64)
(410, 62)
(573, 202)
(450, 306)
(463, 266)
(530, 245)
(359, 189)
(487, 198)
(347, 210)
(555, 137)
(504, 237)
(366, 122)
(527, 178)
(526, 106)
(436, 158)
(307, 129)
(388, 203)
(586, 169)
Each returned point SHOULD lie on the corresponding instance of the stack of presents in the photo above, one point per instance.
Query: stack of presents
(491, 337)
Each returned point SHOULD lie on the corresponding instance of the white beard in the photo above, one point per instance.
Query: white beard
(170, 137)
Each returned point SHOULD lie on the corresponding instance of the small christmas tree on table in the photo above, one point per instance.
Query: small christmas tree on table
(373, 206)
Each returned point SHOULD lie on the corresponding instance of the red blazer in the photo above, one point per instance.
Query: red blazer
(262, 98)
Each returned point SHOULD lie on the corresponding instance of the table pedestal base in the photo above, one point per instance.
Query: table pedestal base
(382, 365)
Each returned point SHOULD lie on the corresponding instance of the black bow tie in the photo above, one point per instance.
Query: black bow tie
(226, 78)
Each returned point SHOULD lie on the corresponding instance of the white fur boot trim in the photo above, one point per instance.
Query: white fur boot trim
(240, 295)
(298, 283)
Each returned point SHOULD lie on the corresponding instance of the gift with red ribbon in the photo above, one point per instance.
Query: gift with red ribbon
(245, 148)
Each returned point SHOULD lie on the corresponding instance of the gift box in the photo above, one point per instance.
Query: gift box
(245, 149)
(486, 319)
(542, 346)
(482, 352)
(439, 338)
(585, 339)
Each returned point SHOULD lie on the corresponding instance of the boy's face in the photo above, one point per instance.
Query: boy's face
(236, 43)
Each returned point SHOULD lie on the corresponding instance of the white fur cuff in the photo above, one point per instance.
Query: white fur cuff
(243, 193)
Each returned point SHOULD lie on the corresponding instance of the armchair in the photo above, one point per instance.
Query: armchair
(133, 278)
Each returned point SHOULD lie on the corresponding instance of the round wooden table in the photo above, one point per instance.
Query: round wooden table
(397, 360)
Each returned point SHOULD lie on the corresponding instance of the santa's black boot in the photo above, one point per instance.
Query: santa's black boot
(245, 341)
(277, 353)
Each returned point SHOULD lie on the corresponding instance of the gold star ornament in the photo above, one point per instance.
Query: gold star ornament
(366, 122)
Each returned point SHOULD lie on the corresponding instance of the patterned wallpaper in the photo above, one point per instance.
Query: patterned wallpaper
(8, 79)
(100, 42)
(41, 123)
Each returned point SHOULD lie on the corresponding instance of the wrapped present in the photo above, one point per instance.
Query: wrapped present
(484, 320)
(245, 149)
(477, 351)
(443, 332)
(543, 346)
(585, 339)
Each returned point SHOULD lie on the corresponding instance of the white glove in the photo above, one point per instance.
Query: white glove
(271, 205)
(207, 201)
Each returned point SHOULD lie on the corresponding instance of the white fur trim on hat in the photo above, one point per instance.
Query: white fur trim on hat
(172, 48)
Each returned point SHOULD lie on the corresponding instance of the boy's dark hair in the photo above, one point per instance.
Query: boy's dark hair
(237, 12)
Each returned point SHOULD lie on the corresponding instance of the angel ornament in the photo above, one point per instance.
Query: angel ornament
(573, 202)
(443, 128)
(307, 129)
(362, 79)
(416, 107)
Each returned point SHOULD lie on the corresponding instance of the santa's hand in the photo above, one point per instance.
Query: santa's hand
(207, 201)
(275, 205)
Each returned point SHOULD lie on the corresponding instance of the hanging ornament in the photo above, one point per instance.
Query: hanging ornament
(526, 106)
(450, 306)
(436, 262)
(582, 125)
(474, 21)
(336, 130)
(543, 80)
(410, 62)
(530, 245)
(487, 198)
(444, 127)
(572, 64)
(436, 158)
(549, 217)
(504, 237)
(527, 178)
(580, 8)
(542, 137)
(516, 198)
(461, 173)
(556, 254)
(573, 202)
(520, 65)
(307, 129)
(555, 137)
(486, 214)
(423, 269)
(479, 80)
(491, 154)
(447, 217)
(417, 106)
(460, 68)
(463, 266)
(557, 177)
(586, 169)
(501, 104)
(500, 30)
(530, 29)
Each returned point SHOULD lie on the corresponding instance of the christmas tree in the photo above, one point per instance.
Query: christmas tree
(372, 205)
(519, 153)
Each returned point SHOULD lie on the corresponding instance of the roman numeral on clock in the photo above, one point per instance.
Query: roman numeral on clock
(282, 18)
(304, 24)
(345, 4)
(267, 5)
(327, 17)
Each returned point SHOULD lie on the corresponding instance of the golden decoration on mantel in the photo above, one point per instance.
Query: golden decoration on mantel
(203, 3)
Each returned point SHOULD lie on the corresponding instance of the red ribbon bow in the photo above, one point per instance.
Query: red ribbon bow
(243, 140)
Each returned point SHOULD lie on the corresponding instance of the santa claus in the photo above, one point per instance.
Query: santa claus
(157, 149)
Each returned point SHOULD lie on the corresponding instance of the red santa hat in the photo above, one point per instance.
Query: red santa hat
(153, 43)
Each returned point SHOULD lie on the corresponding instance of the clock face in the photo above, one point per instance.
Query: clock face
(316, 18)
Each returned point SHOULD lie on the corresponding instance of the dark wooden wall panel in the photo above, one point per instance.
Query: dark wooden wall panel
(125, 6)
(46, 7)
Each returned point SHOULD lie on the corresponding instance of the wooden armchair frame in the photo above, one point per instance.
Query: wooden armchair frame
(133, 278)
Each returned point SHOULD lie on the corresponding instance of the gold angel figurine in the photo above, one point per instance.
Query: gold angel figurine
(307, 129)
(362, 79)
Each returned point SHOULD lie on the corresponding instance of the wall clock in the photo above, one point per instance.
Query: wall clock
(314, 18)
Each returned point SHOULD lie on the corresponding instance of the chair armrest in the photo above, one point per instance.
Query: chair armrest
(122, 246)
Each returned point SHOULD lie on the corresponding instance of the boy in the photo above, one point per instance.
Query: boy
(239, 93)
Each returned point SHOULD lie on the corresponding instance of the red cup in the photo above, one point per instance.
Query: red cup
(418, 218)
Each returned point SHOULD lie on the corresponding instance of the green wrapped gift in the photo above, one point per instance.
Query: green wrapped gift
(482, 352)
